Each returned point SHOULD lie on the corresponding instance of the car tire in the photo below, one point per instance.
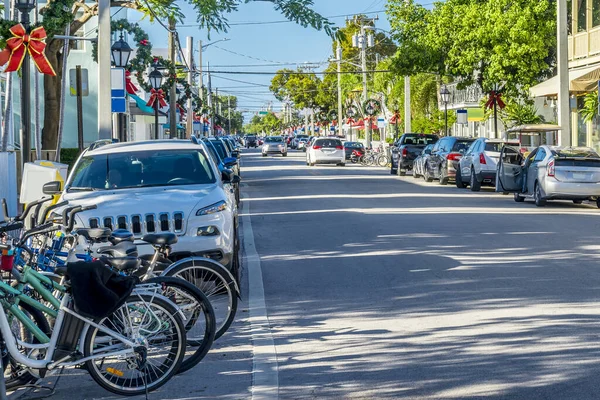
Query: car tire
(341, 164)
(393, 171)
(518, 198)
(537, 195)
(426, 175)
(459, 181)
(401, 172)
(264, 155)
(475, 184)
(577, 201)
(598, 203)
(443, 179)
(414, 174)
(284, 154)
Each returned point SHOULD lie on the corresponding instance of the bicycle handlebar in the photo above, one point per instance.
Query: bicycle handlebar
(5, 210)
(76, 211)
(31, 205)
(65, 215)
(50, 208)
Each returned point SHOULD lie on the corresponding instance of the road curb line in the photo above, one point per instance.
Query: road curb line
(265, 376)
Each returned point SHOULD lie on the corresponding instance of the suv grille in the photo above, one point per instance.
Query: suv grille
(140, 225)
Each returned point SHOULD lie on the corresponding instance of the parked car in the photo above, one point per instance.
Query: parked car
(550, 173)
(419, 163)
(158, 186)
(296, 140)
(251, 141)
(309, 143)
(326, 151)
(302, 144)
(349, 147)
(478, 166)
(444, 158)
(406, 149)
(274, 145)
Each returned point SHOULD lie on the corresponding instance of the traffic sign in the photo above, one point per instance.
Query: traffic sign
(262, 113)
(118, 101)
(118, 105)
(73, 82)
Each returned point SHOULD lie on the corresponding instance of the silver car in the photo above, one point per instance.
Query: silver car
(274, 145)
(550, 173)
(478, 166)
(419, 163)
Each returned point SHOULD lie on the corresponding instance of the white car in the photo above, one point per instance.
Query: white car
(274, 145)
(158, 186)
(478, 166)
(326, 151)
(302, 143)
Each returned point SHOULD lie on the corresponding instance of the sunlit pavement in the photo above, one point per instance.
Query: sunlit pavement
(384, 287)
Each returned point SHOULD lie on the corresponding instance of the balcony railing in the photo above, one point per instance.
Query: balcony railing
(584, 44)
(463, 98)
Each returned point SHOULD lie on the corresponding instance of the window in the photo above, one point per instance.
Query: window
(460, 146)
(473, 147)
(493, 146)
(569, 17)
(274, 139)
(581, 15)
(541, 154)
(328, 142)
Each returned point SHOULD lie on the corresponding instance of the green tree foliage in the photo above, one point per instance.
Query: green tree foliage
(296, 86)
(510, 42)
(268, 124)
(590, 106)
(519, 113)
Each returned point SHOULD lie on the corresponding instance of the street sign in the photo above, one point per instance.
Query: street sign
(85, 90)
(461, 117)
(118, 101)
(381, 123)
(262, 113)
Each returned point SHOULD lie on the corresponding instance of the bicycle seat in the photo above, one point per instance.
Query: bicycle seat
(123, 263)
(160, 239)
(94, 234)
(120, 235)
(123, 249)
(62, 271)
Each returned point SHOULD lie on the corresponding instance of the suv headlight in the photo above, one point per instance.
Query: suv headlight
(213, 208)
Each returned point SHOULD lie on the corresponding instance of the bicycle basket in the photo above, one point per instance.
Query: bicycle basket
(97, 291)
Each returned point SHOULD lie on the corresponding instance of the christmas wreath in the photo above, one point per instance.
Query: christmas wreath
(371, 107)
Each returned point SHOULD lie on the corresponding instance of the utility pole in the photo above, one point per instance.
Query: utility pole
(211, 110)
(407, 114)
(173, 88)
(229, 115)
(190, 80)
(339, 86)
(104, 90)
(363, 41)
(564, 138)
(200, 70)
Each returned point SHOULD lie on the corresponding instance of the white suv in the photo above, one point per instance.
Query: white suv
(158, 186)
(325, 151)
(478, 166)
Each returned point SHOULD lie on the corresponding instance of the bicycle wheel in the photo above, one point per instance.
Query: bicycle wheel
(217, 283)
(15, 374)
(200, 324)
(382, 161)
(157, 326)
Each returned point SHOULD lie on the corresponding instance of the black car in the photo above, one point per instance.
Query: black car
(251, 141)
(444, 158)
(349, 147)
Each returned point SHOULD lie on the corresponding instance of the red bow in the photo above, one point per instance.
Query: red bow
(181, 110)
(350, 121)
(21, 43)
(144, 42)
(395, 118)
(157, 95)
(129, 86)
(495, 98)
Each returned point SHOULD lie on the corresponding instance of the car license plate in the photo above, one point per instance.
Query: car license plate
(579, 176)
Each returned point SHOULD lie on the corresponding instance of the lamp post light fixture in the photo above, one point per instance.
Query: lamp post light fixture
(156, 78)
(445, 96)
(25, 7)
(121, 51)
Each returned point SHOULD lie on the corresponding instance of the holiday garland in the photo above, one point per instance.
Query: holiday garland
(371, 107)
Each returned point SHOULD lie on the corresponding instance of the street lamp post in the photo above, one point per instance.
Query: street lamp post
(120, 52)
(445, 96)
(156, 78)
(25, 6)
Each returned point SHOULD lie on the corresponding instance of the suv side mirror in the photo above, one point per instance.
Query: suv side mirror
(236, 179)
(52, 188)
(235, 154)
(428, 151)
(227, 175)
(229, 162)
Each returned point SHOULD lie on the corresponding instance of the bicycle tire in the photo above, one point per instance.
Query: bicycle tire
(201, 344)
(382, 161)
(215, 281)
(20, 375)
(145, 382)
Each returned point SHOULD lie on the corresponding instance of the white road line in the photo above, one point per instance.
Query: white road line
(265, 376)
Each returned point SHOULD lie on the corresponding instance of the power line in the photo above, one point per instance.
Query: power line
(299, 72)
(238, 81)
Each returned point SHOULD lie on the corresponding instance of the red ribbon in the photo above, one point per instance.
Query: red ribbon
(129, 86)
(144, 42)
(21, 43)
(157, 95)
(495, 98)
(350, 121)
(395, 118)
(181, 110)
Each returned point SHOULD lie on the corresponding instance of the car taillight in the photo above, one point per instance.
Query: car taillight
(339, 147)
(454, 156)
(482, 159)
(316, 147)
(551, 171)
(404, 152)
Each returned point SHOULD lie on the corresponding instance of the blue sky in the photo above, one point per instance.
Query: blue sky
(257, 45)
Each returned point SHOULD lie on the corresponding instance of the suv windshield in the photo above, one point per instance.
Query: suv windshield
(274, 139)
(354, 145)
(420, 139)
(142, 169)
(461, 145)
(328, 142)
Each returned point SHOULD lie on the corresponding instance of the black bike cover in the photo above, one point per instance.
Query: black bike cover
(97, 291)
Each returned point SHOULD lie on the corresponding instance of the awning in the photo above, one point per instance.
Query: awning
(534, 128)
(141, 104)
(580, 80)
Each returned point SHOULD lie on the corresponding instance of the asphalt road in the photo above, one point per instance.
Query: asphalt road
(377, 287)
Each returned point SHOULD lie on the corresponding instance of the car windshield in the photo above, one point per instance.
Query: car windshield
(575, 152)
(420, 139)
(274, 139)
(353, 145)
(328, 142)
(142, 169)
(461, 146)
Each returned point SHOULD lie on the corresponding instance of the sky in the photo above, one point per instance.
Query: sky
(257, 46)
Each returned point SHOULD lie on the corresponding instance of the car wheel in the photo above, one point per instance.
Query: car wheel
(264, 155)
(284, 154)
(577, 201)
(459, 181)
(401, 172)
(393, 171)
(598, 203)
(415, 174)
(475, 184)
(519, 198)
(426, 175)
(539, 200)
(341, 164)
(443, 179)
